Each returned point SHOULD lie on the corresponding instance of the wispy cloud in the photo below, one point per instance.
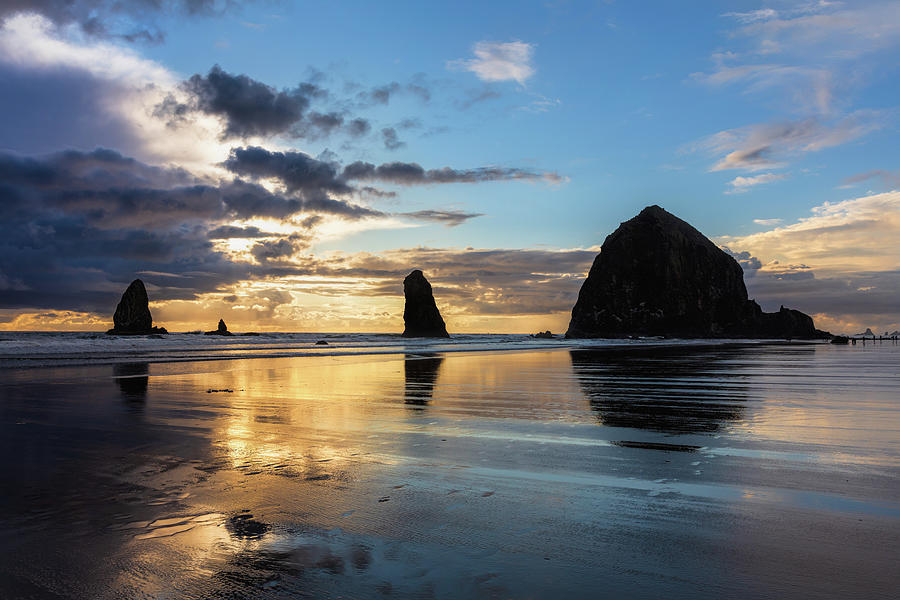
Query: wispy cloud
(767, 222)
(740, 185)
(499, 61)
(450, 218)
(889, 179)
(768, 145)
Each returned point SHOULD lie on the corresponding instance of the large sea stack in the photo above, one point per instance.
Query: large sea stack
(132, 316)
(421, 317)
(658, 276)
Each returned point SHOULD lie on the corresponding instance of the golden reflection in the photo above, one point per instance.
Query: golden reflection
(314, 417)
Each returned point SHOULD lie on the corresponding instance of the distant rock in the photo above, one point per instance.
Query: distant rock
(840, 339)
(868, 333)
(132, 316)
(658, 276)
(321, 343)
(421, 317)
(222, 329)
(544, 335)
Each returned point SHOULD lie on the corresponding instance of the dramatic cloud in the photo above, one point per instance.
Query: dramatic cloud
(113, 91)
(74, 226)
(842, 263)
(497, 61)
(853, 235)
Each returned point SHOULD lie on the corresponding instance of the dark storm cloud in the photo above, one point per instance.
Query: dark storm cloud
(75, 227)
(450, 218)
(314, 178)
(249, 107)
(413, 174)
(253, 108)
(296, 170)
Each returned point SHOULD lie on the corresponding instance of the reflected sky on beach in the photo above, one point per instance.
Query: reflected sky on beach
(685, 472)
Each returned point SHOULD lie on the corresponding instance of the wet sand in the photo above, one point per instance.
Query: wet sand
(733, 471)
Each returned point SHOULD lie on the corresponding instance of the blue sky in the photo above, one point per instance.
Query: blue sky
(771, 127)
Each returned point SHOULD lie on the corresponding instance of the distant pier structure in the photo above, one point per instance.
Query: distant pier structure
(892, 337)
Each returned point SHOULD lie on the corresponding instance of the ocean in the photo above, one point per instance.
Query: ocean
(484, 466)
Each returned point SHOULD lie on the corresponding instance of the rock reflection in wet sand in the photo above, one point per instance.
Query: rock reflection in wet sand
(133, 380)
(420, 374)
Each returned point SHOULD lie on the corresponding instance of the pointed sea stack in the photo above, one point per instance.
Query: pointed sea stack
(421, 317)
(132, 316)
(221, 330)
(658, 276)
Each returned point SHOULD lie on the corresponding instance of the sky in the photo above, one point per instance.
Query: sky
(283, 165)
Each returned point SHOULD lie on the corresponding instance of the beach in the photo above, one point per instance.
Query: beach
(487, 467)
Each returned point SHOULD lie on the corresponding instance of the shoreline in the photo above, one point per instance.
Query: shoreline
(227, 349)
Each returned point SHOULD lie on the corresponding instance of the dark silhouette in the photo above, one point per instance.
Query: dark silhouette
(132, 316)
(222, 329)
(421, 317)
(421, 372)
(657, 275)
(132, 379)
(673, 390)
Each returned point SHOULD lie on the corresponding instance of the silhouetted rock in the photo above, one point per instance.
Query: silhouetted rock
(132, 316)
(657, 275)
(840, 339)
(321, 343)
(867, 333)
(420, 315)
(222, 329)
(544, 335)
